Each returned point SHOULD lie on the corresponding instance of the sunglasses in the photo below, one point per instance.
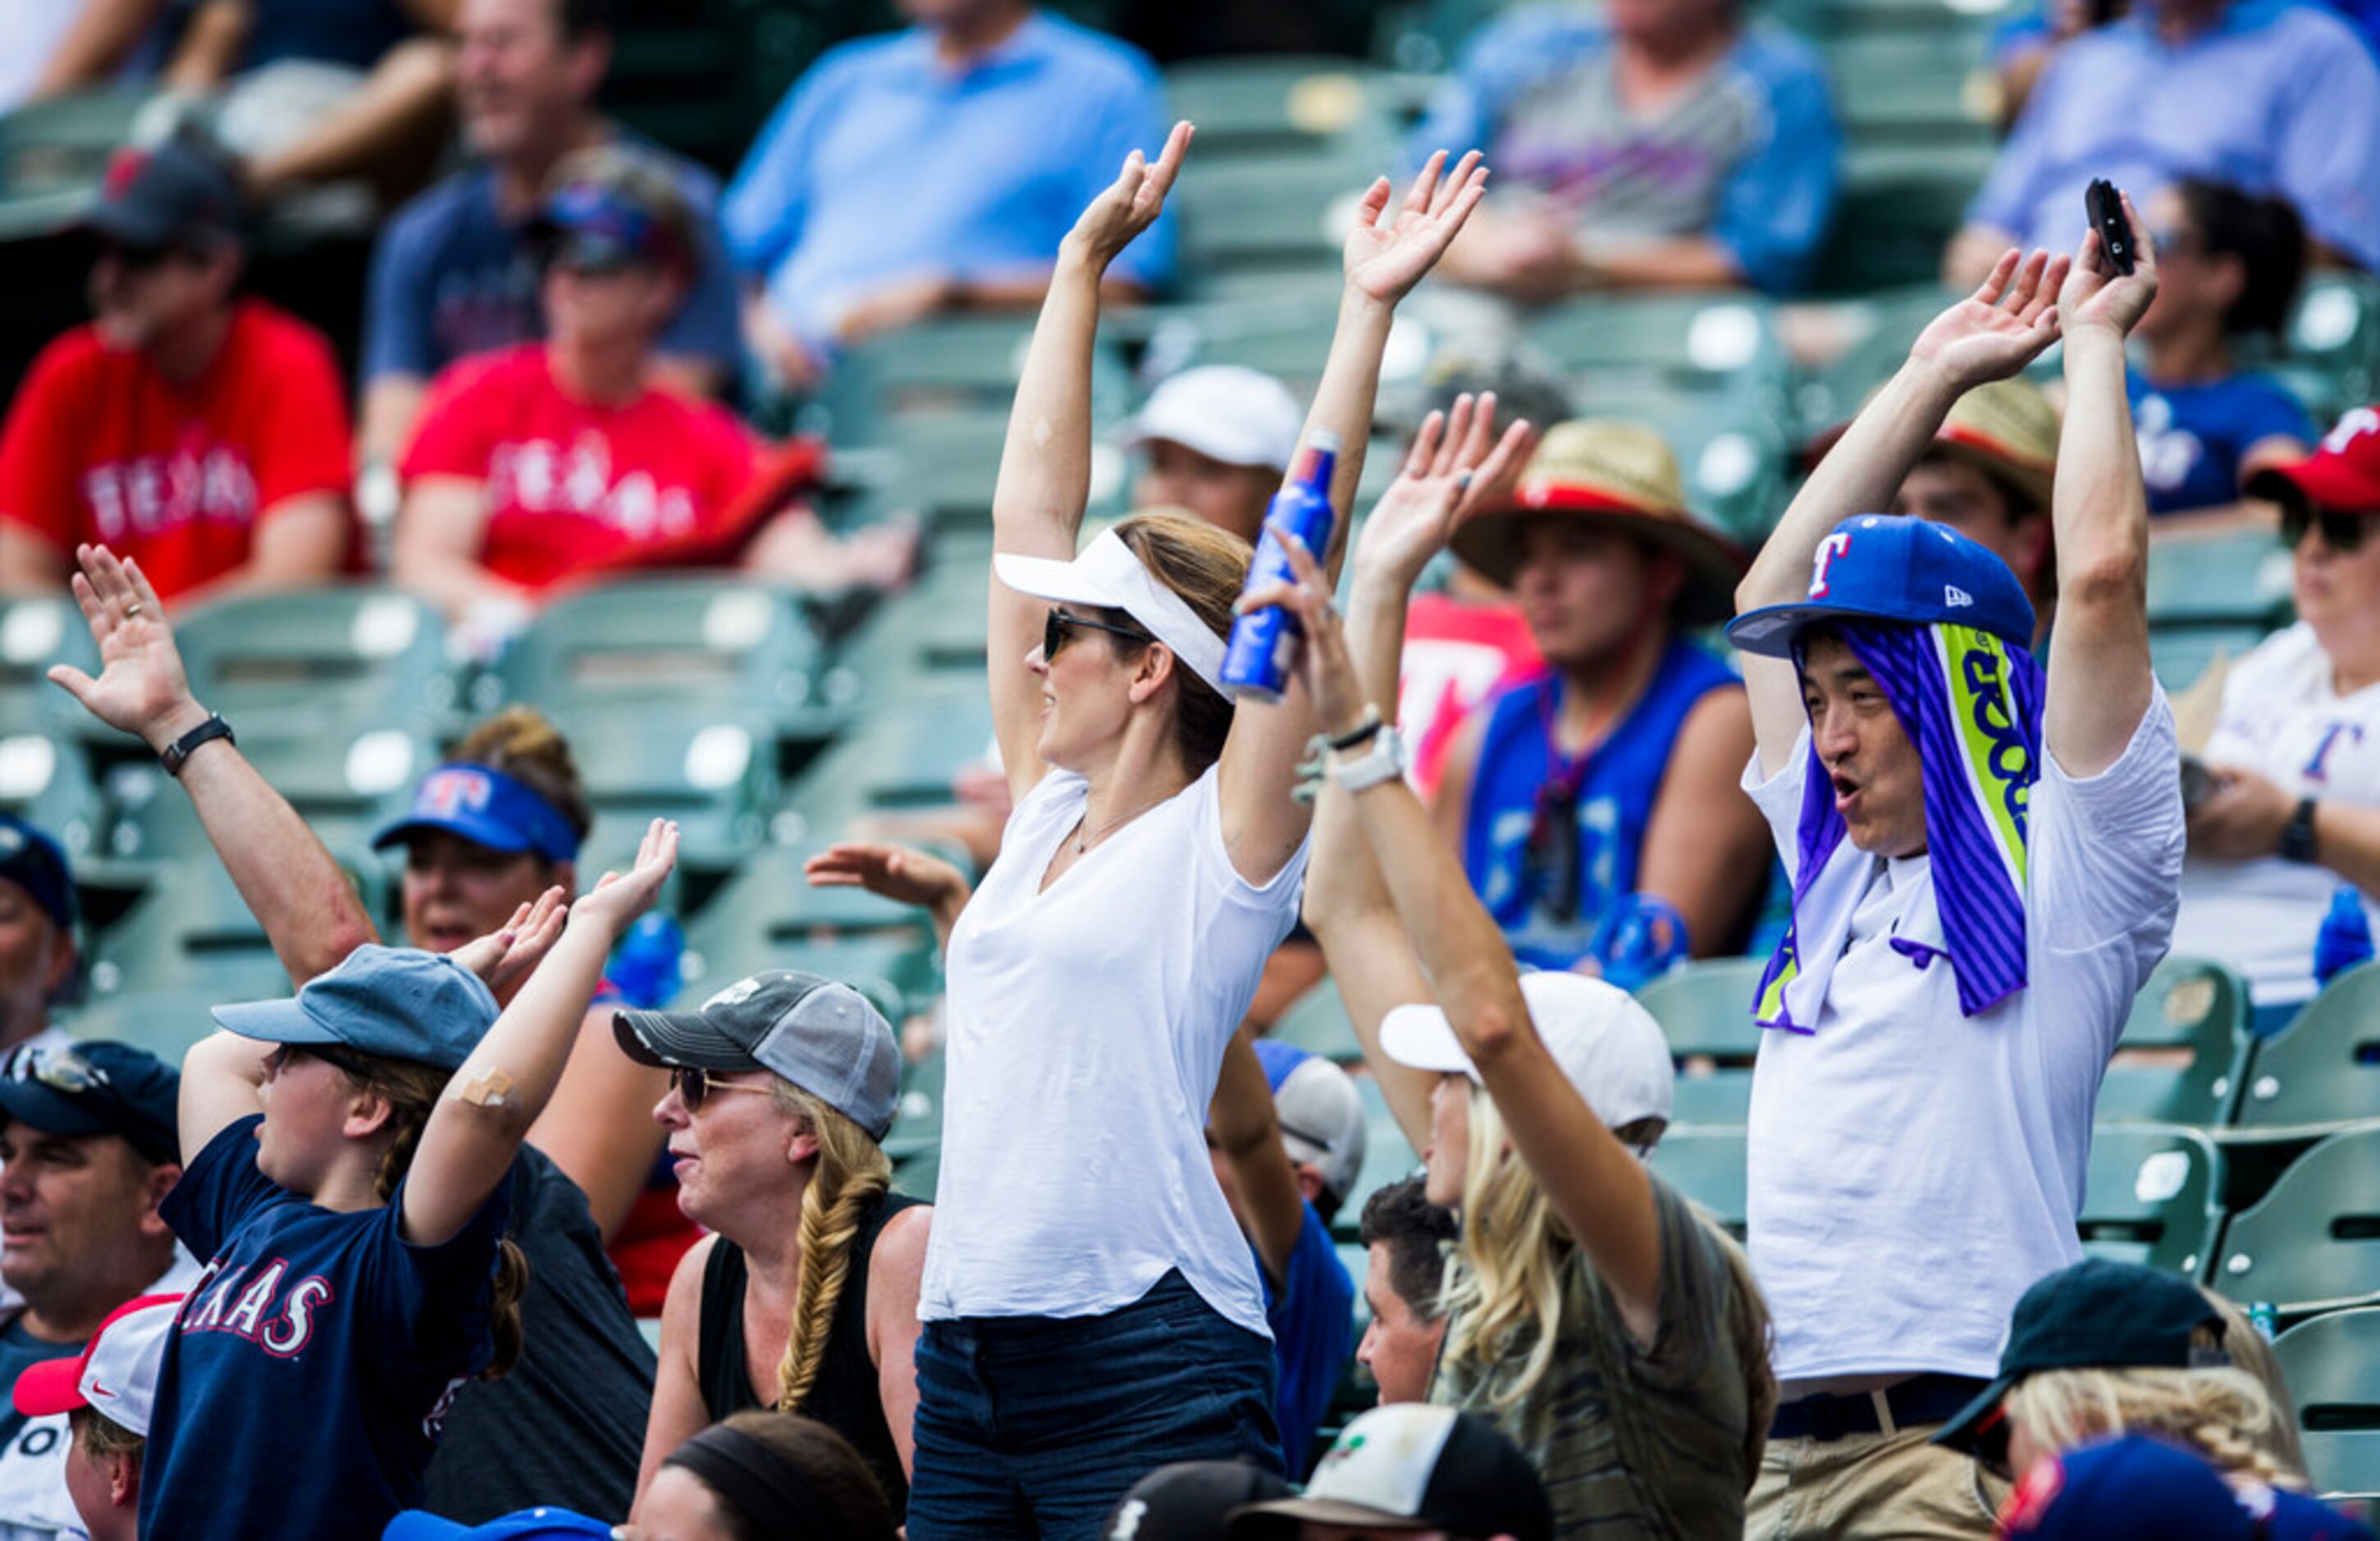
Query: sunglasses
(694, 1086)
(1057, 627)
(1549, 862)
(58, 1069)
(2341, 532)
(346, 1064)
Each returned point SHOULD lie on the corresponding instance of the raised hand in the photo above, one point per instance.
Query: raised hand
(142, 688)
(1131, 203)
(1458, 465)
(1323, 661)
(506, 955)
(2096, 295)
(619, 898)
(897, 872)
(1385, 261)
(2000, 328)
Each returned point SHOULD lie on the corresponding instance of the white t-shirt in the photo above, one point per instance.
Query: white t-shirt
(1913, 1170)
(1087, 1030)
(2281, 719)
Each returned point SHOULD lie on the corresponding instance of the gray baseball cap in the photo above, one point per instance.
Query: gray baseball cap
(824, 1038)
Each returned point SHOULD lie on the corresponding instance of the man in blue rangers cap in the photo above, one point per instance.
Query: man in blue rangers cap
(1986, 867)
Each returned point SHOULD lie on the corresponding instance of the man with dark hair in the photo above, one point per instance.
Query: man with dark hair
(1406, 1236)
(202, 433)
(87, 1151)
(453, 274)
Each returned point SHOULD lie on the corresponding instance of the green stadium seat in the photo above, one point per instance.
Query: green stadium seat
(2332, 1365)
(949, 366)
(164, 1021)
(1732, 459)
(900, 757)
(1280, 104)
(35, 634)
(916, 1130)
(2313, 1243)
(345, 780)
(45, 780)
(1705, 1009)
(2182, 654)
(929, 638)
(190, 932)
(1671, 342)
(1316, 1022)
(1876, 332)
(2236, 579)
(676, 642)
(2191, 1006)
(767, 915)
(1259, 219)
(2323, 1071)
(1389, 1157)
(51, 155)
(1708, 1166)
(709, 768)
(1900, 205)
(1903, 86)
(2332, 357)
(283, 665)
(2153, 1196)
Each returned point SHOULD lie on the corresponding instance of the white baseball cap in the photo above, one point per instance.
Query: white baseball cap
(1608, 1046)
(1239, 416)
(1412, 1466)
(1321, 1113)
(1108, 574)
(115, 1376)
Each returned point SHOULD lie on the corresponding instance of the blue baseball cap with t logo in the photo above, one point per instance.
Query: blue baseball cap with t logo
(1900, 570)
(482, 805)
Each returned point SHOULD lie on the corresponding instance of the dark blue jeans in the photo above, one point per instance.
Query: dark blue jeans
(1035, 1427)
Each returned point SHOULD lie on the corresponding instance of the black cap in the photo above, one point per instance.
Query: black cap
(1413, 1466)
(97, 1087)
(32, 861)
(178, 193)
(2097, 1314)
(1191, 1500)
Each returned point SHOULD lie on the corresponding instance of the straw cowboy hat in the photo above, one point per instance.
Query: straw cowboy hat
(1622, 477)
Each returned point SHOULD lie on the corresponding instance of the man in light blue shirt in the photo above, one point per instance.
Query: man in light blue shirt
(2268, 95)
(1641, 143)
(934, 169)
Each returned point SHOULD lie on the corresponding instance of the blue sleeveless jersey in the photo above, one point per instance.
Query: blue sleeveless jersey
(1615, 801)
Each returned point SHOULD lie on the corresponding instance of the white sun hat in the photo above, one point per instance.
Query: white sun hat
(1108, 574)
(1608, 1046)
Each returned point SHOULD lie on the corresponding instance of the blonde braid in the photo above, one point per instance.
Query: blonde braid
(852, 1174)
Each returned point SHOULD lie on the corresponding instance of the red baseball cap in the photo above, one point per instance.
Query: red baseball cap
(2343, 473)
(116, 1373)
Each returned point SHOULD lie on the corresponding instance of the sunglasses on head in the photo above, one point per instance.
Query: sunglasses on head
(2341, 531)
(1057, 627)
(1549, 861)
(59, 1069)
(694, 1086)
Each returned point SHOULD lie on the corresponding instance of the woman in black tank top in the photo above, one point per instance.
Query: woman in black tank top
(805, 1299)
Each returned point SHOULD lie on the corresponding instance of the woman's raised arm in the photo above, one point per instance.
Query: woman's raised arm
(1045, 466)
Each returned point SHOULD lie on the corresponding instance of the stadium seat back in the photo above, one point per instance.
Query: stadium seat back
(767, 915)
(1705, 1009)
(900, 757)
(2313, 1243)
(712, 768)
(2323, 1071)
(1708, 1166)
(2153, 1196)
(2230, 580)
(1317, 1022)
(2332, 1365)
(282, 664)
(2183, 1048)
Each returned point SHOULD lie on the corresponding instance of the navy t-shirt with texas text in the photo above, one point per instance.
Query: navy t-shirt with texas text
(306, 1373)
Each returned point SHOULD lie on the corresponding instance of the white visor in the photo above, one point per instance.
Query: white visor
(1108, 574)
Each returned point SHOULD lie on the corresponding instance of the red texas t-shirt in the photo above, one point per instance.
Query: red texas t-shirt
(101, 446)
(574, 488)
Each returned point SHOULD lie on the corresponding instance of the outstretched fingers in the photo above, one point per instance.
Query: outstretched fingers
(1423, 455)
(1469, 180)
(1157, 180)
(1996, 282)
(1425, 186)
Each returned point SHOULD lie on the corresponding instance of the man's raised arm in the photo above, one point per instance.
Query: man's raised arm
(2099, 677)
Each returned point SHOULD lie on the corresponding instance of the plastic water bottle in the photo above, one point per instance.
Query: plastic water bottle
(1263, 648)
(2345, 938)
(1639, 939)
(2262, 1316)
(645, 965)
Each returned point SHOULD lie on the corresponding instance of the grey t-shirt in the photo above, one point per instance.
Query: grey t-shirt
(1569, 135)
(1631, 1443)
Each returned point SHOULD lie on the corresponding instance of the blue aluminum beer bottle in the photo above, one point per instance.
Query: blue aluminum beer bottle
(1263, 650)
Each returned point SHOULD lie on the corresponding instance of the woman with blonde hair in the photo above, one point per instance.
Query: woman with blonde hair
(1613, 1332)
(1091, 1311)
(2103, 1349)
(805, 1299)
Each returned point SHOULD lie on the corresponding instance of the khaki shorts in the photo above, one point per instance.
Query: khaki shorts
(1870, 1488)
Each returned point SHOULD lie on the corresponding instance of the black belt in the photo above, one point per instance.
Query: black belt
(1926, 1399)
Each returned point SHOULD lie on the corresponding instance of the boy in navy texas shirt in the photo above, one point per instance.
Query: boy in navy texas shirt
(326, 1327)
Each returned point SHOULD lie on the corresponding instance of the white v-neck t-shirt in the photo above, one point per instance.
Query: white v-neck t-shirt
(1913, 1170)
(1087, 1028)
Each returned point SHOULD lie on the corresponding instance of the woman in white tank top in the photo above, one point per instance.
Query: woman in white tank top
(1090, 1309)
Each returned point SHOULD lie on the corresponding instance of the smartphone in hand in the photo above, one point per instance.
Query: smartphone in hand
(2105, 207)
